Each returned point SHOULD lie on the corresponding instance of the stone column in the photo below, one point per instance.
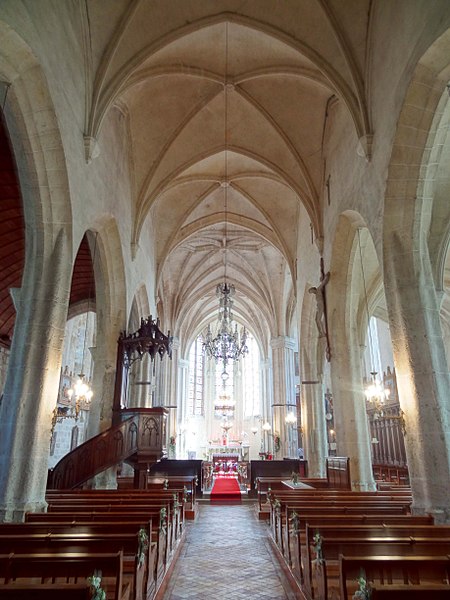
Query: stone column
(421, 366)
(32, 381)
(100, 415)
(350, 417)
(171, 390)
(183, 389)
(283, 389)
(314, 427)
(267, 401)
(212, 425)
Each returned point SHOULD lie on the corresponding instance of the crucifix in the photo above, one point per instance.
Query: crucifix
(321, 308)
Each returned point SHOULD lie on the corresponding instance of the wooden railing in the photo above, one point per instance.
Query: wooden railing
(139, 439)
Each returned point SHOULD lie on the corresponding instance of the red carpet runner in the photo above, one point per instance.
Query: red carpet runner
(226, 488)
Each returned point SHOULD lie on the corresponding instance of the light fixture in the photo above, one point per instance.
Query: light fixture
(254, 430)
(290, 418)
(375, 393)
(224, 406)
(225, 343)
(81, 391)
(266, 426)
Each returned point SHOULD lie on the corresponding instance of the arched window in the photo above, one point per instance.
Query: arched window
(196, 374)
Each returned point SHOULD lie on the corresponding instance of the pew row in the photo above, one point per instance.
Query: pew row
(395, 577)
(162, 555)
(33, 570)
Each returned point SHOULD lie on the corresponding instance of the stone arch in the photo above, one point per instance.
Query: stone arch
(41, 302)
(140, 308)
(105, 95)
(412, 272)
(346, 308)
(111, 303)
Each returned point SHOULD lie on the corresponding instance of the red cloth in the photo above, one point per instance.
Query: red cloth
(226, 488)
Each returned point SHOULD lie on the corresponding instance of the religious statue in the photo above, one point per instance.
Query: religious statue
(319, 292)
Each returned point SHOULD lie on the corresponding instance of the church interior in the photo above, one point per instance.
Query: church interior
(225, 285)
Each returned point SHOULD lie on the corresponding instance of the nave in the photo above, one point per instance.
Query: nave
(227, 555)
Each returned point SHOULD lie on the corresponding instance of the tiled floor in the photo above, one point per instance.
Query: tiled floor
(227, 555)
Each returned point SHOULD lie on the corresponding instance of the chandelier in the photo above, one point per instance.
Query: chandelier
(224, 406)
(226, 343)
(376, 394)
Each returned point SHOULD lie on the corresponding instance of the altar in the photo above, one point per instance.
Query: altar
(230, 452)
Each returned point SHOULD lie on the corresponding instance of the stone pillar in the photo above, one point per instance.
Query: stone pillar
(238, 396)
(183, 390)
(32, 381)
(103, 380)
(350, 417)
(267, 401)
(212, 425)
(171, 392)
(314, 427)
(283, 390)
(421, 366)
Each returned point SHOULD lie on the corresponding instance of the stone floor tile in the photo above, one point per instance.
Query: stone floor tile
(227, 556)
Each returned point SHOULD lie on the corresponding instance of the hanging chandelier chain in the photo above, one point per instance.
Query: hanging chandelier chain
(227, 344)
(225, 91)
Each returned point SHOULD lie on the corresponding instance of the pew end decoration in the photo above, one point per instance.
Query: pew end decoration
(363, 592)
(95, 581)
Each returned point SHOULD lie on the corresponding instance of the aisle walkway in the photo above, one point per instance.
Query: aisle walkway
(227, 556)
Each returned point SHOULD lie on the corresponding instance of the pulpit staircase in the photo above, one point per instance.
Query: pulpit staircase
(138, 440)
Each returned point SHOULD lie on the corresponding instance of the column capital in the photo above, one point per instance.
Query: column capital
(176, 343)
(283, 341)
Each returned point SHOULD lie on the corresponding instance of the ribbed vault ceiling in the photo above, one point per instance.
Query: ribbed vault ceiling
(226, 124)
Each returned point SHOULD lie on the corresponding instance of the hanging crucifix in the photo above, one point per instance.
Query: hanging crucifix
(321, 308)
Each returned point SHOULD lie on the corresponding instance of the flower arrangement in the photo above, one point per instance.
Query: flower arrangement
(364, 592)
(276, 442)
(95, 581)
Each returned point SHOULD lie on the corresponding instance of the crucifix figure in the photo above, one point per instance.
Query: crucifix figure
(319, 293)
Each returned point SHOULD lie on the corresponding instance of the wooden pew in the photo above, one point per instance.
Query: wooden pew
(135, 555)
(386, 573)
(264, 485)
(135, 501)
(280, 499)
(295, 533)
(322, 569)
(280, 507)
(51, 568)
(45, 591)
(103, 530)
(409, 592)
(167, 500)
(188, 483)
(363, 533)
(159, 533)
